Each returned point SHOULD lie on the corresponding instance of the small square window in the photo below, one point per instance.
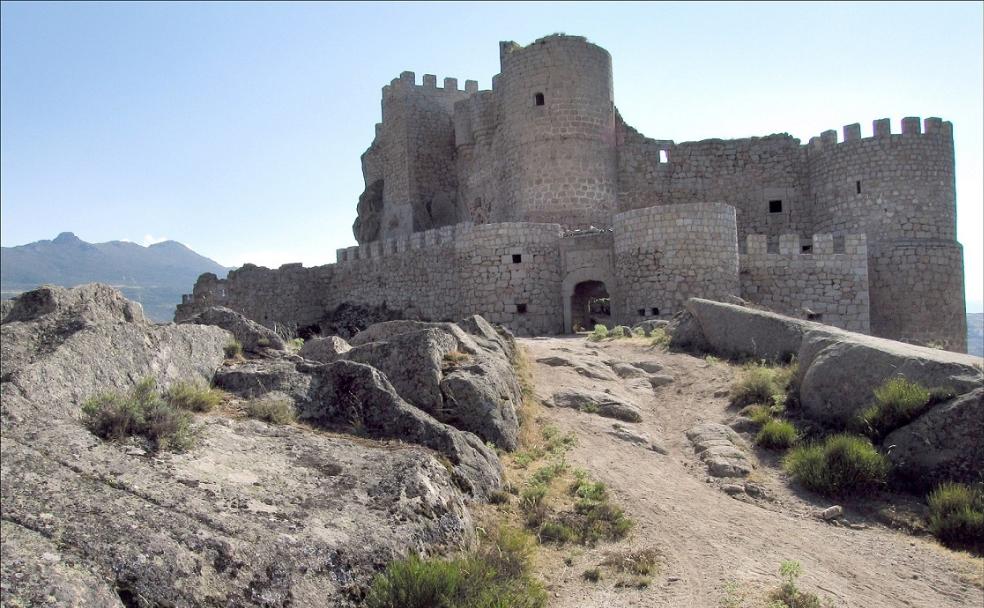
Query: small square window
(521, 309)
(664, 156)
(642, 312)
(538, 99)
(857, 185)
(517, 258)
(807, 248)
(655, 311)
(775, 206)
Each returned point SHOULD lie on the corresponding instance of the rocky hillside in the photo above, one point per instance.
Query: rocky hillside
(155, 276)
(389, 446)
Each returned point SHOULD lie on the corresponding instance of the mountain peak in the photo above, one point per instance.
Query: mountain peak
(66, 238)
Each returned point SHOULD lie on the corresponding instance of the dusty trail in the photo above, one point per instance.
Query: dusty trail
(707, 537)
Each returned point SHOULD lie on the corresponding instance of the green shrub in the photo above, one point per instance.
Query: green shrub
(597, 520)
(759, 414)
(295, 345)
(956, 516)
(233, 350)
(762, 384)
(620, 331)
(897, 402)
(193, 396)
(495, 575)
(556, 531)
(660, 337)
(548, 473)
(642, 562)
(843, 464)
(141, 412)
(600, 333)
(272, 409)
(788, 595)
(584, 488)
(776, 435)
(498, 497)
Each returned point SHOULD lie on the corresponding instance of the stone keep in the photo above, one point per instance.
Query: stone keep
(526, 202)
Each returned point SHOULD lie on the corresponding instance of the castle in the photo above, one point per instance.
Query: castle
(528, 202)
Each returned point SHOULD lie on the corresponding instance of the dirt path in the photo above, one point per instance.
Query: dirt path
(707, 537)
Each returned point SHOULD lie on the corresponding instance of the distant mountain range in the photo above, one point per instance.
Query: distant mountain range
(155, 276)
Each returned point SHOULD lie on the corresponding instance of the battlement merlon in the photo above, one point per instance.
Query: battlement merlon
(882, 128)
(820, 244)
(407, 81)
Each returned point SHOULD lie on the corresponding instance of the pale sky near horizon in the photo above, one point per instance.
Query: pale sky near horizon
(236, 129)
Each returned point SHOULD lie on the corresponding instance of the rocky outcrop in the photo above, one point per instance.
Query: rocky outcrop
(254, 337)
(721, 449)
(254, 515)
(324, 350)
(369, 211)
(838, 370)
(944, 444)
(596, 402)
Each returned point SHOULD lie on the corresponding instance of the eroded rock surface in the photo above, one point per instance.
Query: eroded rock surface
(324, 350)
(721, 449)
(254, 337)
(596, 402)
(253, 515)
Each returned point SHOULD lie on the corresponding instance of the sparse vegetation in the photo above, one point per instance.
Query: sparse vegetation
(295, 344)
(494, 575)
(455, 357)
(776, 435)
(600, 333)
(843, 464)
(956, 515)
(758, 383)
(592, 575)
(758, 413)
(788, 595)
(897, 402)
(233, 350)
(193, 396)
(640, 562)
(275, 410)
(660, 338)
(550, 443)
(141, 412)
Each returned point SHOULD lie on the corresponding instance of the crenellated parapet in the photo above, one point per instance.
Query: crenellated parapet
(881, 129)
(822, 278)
(444, 235)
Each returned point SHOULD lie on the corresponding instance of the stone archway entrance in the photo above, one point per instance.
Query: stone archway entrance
(589, 298)
(590, 305)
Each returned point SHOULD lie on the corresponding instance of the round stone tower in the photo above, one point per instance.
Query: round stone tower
(557, 133)
(898, 189)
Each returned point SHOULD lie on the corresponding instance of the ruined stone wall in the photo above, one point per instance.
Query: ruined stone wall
(665, 255)
(559, 157)
(810, 274)
(744, 173)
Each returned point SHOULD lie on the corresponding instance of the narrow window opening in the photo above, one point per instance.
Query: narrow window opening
(521, 309)
(538, 99)
(655, 311)
(775, 206)
(663, 156)
(517, 258)
(807, 248)
(642, 312)
(857, 185)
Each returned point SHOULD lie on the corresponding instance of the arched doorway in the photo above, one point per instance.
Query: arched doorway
(589, 297)
(590, 305)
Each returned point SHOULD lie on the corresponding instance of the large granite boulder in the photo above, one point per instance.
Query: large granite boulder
(944, 444)
(254, 337)
(324, 350)
(596, 402)
(459, 378)
(738, 332)
(839, 371)
(254, 515)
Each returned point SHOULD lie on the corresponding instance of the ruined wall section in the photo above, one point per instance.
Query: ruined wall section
(665, 255)
(558, 158)
(414, 153)
(899, 190)
(810, 278)
(749, 174)
(475, 123)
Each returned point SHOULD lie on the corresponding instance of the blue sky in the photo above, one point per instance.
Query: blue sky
(237, 128)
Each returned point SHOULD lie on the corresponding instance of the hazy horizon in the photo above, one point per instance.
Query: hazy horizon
(236, 129)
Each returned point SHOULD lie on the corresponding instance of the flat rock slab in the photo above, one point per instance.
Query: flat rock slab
(597, 402)
(637, 438)
(588, 369)
(627, 370)
(721, 449)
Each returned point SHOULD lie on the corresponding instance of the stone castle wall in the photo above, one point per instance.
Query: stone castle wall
(460, 181)
(665, 255)
(820, 275)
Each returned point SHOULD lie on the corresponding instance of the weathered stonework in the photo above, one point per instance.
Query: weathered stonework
(524, 202)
